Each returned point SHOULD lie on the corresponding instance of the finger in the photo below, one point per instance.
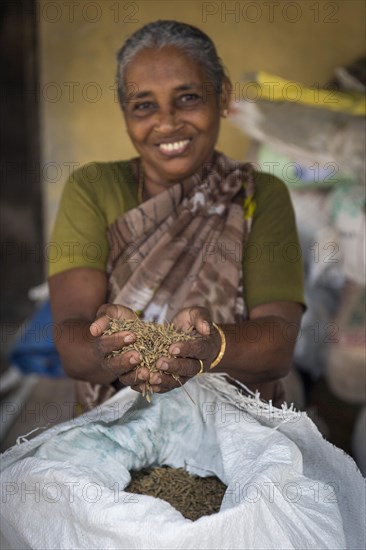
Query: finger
(122, 364)
(201, 320)
(138, 376)
(154, 378)
(187, 367)
(169, 382)
(145, 375)
(141, 388)
(199, 348)
(194, 317)
(115, 342)
(99, 326)
(107, 312)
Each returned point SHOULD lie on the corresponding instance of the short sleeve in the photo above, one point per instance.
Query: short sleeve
(272, 257)
(79, 236)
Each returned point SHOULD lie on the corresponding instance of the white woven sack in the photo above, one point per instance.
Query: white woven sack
(287, 487)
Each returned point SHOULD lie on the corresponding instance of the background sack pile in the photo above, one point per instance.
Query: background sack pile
(314, 139)
(286, 486)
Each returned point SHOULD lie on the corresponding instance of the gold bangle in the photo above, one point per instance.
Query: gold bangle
(222, 349)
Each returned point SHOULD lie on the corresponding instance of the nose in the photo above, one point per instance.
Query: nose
(167, 120)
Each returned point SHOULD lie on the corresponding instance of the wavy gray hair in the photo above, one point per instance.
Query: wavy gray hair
(191, 40)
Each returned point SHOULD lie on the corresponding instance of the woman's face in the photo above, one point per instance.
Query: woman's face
(172, 114)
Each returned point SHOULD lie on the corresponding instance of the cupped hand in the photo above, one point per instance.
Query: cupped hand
(123, 366)
(187, 356)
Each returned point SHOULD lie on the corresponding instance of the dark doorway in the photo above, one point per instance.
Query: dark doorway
(21, 192)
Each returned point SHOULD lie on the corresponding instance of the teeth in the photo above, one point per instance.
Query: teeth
(174, 146)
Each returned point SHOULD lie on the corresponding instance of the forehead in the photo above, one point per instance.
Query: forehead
(150, 68)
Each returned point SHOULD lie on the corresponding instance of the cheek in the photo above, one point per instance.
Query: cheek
(211, 128)
(135, 132)
(210, 119)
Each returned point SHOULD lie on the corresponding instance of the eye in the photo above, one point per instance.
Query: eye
(142, 108)
(189, 99)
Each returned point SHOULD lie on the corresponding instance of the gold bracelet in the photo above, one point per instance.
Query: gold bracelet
(222, 349)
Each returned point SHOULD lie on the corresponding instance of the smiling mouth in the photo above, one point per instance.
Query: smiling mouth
(174, 148)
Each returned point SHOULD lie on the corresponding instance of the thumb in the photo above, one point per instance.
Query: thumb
(105, 313)
(201, 320)
(99, 326)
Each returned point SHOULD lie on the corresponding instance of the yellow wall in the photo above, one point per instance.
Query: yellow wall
(80, 118)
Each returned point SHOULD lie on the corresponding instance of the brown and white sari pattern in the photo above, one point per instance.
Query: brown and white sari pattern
(184, 246)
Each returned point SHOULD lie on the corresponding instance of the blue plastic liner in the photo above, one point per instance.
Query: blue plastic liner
(34, 351)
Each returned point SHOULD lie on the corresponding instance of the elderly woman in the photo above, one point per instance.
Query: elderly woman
(181, 233)
(173, 229)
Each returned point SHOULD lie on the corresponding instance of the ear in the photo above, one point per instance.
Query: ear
(225, 96)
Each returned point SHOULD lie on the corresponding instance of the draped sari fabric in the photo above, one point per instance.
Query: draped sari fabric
(183, 247)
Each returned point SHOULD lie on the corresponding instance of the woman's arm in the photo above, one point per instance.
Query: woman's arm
(76, 298)
(261, 349)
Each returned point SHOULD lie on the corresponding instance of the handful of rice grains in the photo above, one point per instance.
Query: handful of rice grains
(153, 341)
(192, 496)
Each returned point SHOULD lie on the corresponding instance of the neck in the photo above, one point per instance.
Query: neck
(152, 188)
(151, 185)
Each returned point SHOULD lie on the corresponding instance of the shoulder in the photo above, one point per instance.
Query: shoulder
(267, 185)
(273, 214)
(271, 195)
(96, 174)
(110, 186)
(272, 266)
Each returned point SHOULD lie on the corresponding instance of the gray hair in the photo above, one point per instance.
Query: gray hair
(191, 40)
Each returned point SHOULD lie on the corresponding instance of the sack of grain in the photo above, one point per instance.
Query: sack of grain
(286, 486)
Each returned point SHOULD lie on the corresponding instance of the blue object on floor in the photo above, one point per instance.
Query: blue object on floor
(34, 351)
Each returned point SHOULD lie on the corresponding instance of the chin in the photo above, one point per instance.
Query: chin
(181, 170)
